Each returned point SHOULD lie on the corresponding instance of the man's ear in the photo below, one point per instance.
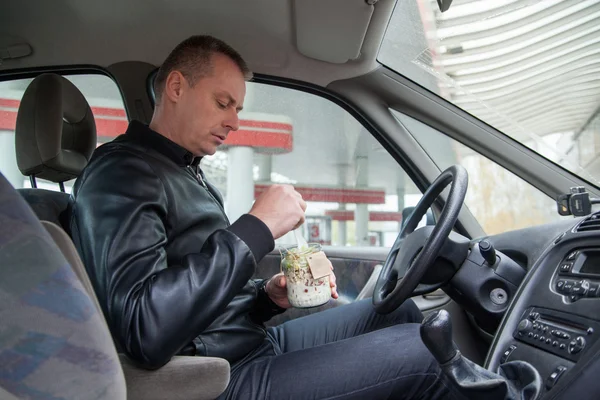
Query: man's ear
(174, 86)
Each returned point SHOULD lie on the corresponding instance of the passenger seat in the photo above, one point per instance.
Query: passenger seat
(55, 138)
(54, 343)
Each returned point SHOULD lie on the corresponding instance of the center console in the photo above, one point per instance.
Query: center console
(554, 321)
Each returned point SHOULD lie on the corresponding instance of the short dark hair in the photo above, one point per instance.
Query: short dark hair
(193, 58)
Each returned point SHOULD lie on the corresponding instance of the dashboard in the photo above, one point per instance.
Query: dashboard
(553, 321)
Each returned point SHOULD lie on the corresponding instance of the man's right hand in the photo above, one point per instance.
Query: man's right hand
(281, 208)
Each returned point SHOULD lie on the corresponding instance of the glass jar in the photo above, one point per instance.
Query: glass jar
(303, 290)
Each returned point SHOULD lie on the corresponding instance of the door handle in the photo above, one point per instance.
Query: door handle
(438, 294)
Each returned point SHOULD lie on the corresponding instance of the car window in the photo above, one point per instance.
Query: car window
(499, 199)
(354, 189)
(104, 98)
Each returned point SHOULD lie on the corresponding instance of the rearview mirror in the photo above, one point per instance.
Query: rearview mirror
(444, 5)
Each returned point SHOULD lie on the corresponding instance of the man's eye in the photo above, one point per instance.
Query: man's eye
(221, 105)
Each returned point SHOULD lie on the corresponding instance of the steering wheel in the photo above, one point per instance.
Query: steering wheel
(414, 252)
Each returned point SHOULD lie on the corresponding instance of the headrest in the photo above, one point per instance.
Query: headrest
(55, 133)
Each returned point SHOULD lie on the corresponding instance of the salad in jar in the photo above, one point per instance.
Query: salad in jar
(303, 289)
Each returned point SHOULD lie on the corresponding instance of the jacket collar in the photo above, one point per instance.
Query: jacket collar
(141, 133)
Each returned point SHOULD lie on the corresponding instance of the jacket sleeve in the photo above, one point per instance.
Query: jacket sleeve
(264, 308)
(119, 227)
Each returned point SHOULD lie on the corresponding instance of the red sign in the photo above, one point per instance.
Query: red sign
(314, 232)
(348, 215)
(334, 195)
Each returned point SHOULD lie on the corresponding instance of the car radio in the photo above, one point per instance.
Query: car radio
(557, 332)
(579, 274)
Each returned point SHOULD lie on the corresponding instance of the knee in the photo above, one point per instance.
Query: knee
(409, 312)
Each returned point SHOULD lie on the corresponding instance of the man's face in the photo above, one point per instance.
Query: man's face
(207, 112)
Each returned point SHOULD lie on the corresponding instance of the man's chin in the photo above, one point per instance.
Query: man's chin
(208, 152)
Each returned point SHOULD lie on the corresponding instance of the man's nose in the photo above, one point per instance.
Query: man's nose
(233, 122)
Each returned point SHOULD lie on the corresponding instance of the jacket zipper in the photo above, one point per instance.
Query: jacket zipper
(198, 177)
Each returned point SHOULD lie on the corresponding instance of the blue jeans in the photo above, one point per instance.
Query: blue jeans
(348, 352)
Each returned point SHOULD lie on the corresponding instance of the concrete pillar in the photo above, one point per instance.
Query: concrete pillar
(342, 225)
(240, 182)
(400, 191)
(361, 214)
(342, 229)
(265, 166)
(8, 159)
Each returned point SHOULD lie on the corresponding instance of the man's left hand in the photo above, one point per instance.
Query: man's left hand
(277, 290)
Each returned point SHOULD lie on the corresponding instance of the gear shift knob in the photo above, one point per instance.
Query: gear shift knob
(436, 333)
(516, 380)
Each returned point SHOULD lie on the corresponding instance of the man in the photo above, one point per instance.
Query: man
(173, 277)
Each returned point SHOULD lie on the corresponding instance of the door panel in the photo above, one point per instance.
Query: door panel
(353, 267)
(351, 273)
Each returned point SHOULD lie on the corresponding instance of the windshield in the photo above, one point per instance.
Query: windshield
(529, 68)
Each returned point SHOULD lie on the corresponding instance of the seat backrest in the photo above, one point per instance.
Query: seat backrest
(54, 342)
(66, 246)
(55, 137)
(48, 205)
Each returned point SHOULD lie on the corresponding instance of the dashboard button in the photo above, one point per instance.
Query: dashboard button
(555, 376)
(534, 315)
(548, 341)
(524, 327)
(593, 290)
(580, 288)
(568, 287)
(560, 285)
(555, 343)
(571, 256)
(577, 345)
(507, 353)
(566, 267)
(536, 336)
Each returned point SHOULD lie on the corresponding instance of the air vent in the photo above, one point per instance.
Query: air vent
(592, 223)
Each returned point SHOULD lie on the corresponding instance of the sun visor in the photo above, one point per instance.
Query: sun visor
(332, 30)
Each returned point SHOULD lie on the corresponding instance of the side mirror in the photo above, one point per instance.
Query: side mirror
(407, 211)
(444, 5)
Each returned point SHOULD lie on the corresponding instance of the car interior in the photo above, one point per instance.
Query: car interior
(449, 152)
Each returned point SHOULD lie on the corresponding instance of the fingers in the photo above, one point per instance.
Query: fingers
(333, 284)
(282, 282)
(334, 292)
(299, 224)
(302, 203)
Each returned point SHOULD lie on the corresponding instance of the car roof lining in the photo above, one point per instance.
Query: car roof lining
(265, 32)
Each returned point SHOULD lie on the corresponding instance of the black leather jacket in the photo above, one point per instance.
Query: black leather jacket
(171, 274)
